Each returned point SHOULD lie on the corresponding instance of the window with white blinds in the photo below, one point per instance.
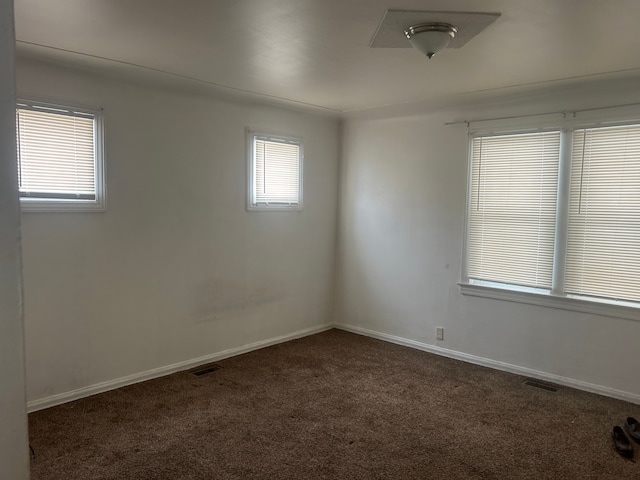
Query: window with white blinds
(603, 247)
(59, 157)
(512, 208)
(556, 211)
(275, 172)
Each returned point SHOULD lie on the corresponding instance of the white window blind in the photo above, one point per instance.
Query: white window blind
(57, 154)
(603, 246)
(276, 166)
(512, 208)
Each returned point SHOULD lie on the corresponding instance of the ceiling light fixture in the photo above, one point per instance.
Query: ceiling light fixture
(430, 38)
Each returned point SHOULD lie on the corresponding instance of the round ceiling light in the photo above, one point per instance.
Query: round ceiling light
(430, 38)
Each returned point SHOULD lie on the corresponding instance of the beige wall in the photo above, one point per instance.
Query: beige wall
(14, 459)
(176, 268)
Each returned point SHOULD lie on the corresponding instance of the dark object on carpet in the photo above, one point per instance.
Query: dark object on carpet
(205, 370)
(539, 384)
(621, 443)
(332, 406)
(633, 428)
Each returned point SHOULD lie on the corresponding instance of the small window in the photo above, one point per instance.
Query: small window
(275, 172)
(60, 164)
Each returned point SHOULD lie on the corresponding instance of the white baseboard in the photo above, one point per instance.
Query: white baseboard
(59, 398)
(487, 362)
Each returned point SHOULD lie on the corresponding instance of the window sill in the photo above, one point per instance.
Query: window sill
(60, 206)
(594, 307)
(274, 208)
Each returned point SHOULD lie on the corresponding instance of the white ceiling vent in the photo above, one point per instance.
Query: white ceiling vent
(391, 31)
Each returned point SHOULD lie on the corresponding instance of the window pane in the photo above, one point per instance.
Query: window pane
(512, 208)
(276, 171)
(56, 154)
(603, 248)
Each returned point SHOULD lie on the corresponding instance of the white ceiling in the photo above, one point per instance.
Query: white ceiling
(316, 52)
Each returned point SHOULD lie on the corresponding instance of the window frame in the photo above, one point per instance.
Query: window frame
(554, 297)
(52, 204)
(251, 205)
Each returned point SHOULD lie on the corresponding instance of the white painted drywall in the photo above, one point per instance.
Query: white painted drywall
(403, 187)
(176, 268)
(14, 456)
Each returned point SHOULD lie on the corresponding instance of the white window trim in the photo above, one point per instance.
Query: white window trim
(73, 205)
(608, 308)
(532, 296)
(250, 205)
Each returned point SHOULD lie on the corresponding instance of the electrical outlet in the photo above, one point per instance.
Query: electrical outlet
(440, 333)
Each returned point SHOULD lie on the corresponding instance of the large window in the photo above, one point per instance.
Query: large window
(512, 208)
(275, 172)
(603, 247)
(556, 213)
(60, 164)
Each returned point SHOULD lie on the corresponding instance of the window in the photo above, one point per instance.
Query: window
(60, 165)
(275, 172)
(603, 246)
(556, 213)
(513, 207)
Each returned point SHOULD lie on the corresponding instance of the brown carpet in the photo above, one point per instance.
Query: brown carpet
(334, 406)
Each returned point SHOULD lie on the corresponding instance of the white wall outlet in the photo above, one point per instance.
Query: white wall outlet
(440, 333)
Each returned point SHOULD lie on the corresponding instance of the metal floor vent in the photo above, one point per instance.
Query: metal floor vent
(541, 385)
(205, 369)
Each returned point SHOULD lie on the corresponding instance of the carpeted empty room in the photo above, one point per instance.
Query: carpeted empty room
(319, 239)
(332, 405)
